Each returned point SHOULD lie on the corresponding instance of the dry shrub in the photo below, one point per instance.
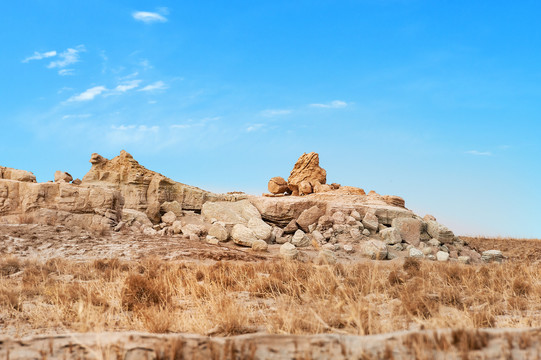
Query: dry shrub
(521, 287)
(139, 291)
(412, 266)
(9, 265)
(11, 299)
(157, 319)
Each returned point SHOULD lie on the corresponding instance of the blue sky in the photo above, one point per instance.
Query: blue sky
(435, 101)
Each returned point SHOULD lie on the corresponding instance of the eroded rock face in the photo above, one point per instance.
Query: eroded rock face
(143, 189)
(306, 169)
(16, 175)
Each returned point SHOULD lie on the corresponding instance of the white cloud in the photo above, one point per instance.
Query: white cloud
(336, 104)
(148, 17)
(88, 94)
(65, 72)
(39, 56)
(68, 57)
(479, 153)
(128, 85)
(76, 116)
(275, 112)
(158, 85)
(254, 127)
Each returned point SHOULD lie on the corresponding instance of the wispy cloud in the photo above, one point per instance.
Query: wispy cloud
(68, 57)
(89, 94)
(336, 104)
(275, 112)
(254, 127)
(66, 72)
(39, 56)
(128, 85)
(158, 85)
(76, 116)
(148, 17)
(195, 123)
(479, 153)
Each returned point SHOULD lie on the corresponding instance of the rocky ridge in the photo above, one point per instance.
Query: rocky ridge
(302, 213)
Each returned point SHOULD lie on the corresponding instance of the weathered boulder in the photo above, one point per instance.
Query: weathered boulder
(259, 245)
(309, 216)
(306, 169)
(338, 217)
(300, 239)
(262, 230)
(130, 216)
(281, 210)
(62, 176)
(492, 256)
(391, 236)
(440, 232)
(394, 200)
(288, 251)
(193, 230)
(291, 227)
(169, 218)
(370, 222)
(230, 213)
(409, 229)
(373, 249)
(442, 256)
(219, 231)
(305, 187)
(173, 206)
(242, 235)
(277, 185)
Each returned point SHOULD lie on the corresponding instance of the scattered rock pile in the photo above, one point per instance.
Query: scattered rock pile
(340, 222)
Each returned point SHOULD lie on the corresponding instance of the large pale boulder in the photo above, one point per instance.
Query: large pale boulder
(306, 169)
(230, 213)
(309, 217)
(130, 216)
(440, 232)
(492, 256)
(169, 218)
(277, 185)
(242, 235)
(281, 210)
(373, 249)
(262, 230)
(410, 229)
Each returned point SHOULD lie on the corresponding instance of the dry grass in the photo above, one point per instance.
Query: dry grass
(228, 298)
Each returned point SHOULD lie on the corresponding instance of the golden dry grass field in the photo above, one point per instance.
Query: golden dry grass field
(271, 296)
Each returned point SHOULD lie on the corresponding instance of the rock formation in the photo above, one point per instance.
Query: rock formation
(122, 195)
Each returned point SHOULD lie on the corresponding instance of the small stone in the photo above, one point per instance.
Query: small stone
(492, 256)
(328, 234)
(355, 214)
(391, 236)
(338, 218)
(219, 231)
(434, 242)
(260, 245)
(371, 222)
(289, 251)
(444, 248)
(62, 176)
(348, 248)
(329, 247)
(366, 232)
(427, 251)
(291, 227)
(442, 256)
(350, 220)
(355, 234)
(397, 247)
(169, 218)
(282, 239)
(373, 249)
(415, 253)
(464, 259)
(194, 237)
(300, 239)
(176, 227)
(340, 228)
(325, 222)
(318, 236)
(212, 240)
(431, 257)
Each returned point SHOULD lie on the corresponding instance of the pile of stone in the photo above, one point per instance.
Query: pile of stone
(121, 195)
